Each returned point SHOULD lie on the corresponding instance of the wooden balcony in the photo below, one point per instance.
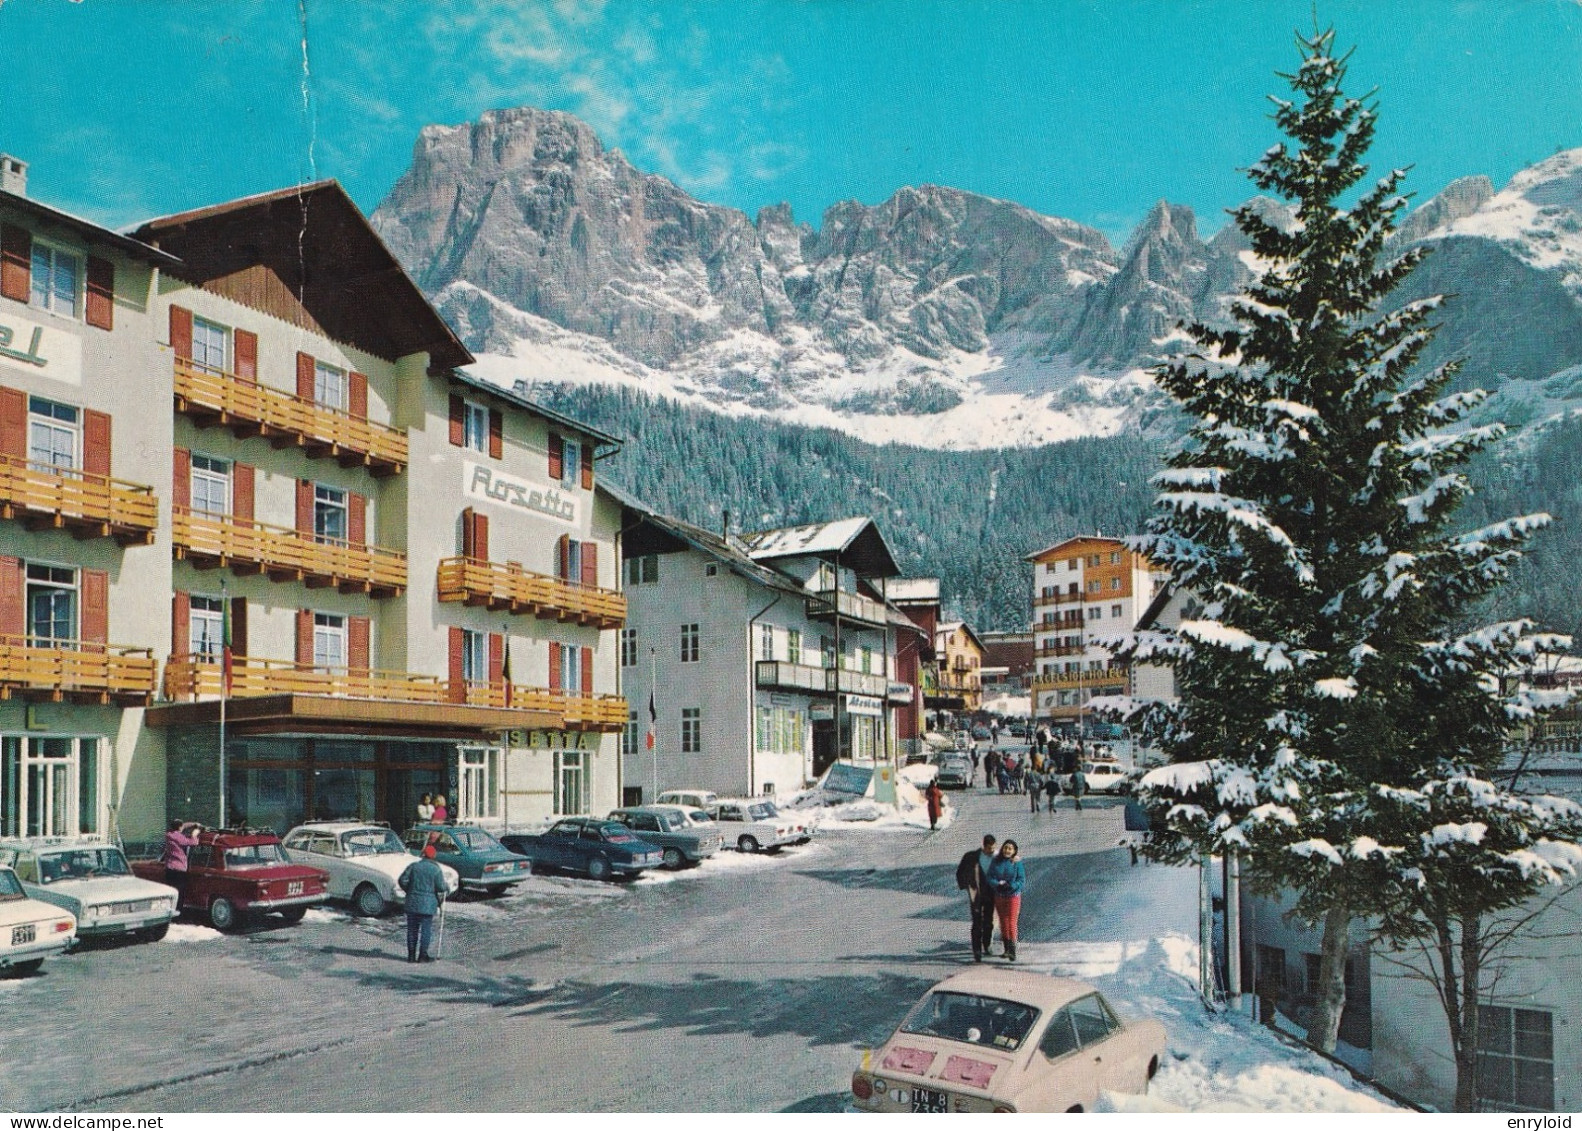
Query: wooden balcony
(47, 497)
(214, 397)
(188, 678)
(852, 607)
(507, 587)
(243, 546)
(1078, 598)
(76, 671)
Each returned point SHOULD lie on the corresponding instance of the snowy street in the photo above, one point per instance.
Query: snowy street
(750, 983)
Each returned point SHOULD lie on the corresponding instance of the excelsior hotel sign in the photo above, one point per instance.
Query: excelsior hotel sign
(488, 485)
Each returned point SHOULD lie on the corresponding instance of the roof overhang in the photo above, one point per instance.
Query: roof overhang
(855, 542)
(87, 230)
(606, 444)
(333, 713)
(1080, 539)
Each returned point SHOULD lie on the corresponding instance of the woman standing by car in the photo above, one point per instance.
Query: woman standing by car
(178, 839)
(1009, 877)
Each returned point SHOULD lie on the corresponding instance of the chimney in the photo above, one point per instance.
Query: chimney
(13, 175)
(725, 525)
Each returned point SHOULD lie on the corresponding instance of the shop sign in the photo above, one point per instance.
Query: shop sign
(553, 739)
(864, 705)
(900, 691)
(489, 485)
(822, 712)
(782, 700)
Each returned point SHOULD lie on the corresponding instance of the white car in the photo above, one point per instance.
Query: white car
(90, 877)
(364, 861)
(1104, 776)
(691, 798)
(30, 929)
(756, 825)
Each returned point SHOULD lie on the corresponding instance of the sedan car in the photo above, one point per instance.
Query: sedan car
(684, 836)
(90, 878)
(365, 862)
(991, 1040)
(483, 863)
(597, 849)
(756, 824)
(692, 798)
(1105, 776)
(955, 772)
(30, 929)
(234, 875)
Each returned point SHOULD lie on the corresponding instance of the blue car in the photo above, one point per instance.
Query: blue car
(588, 846)
(482, 862)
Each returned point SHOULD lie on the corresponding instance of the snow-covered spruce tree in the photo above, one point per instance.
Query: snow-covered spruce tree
(1309, 508)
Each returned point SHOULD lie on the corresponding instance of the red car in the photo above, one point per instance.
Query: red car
(235, 874)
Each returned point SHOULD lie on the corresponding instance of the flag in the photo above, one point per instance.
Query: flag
(653, 719)
(505, 668)
(225, 645)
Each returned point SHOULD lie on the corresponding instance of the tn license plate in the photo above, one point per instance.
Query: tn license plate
(26, 933)
(294, 887)
(927, 1099)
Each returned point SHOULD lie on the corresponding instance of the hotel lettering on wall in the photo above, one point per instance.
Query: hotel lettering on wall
(488, 485)
(552, 740)
(42, 351)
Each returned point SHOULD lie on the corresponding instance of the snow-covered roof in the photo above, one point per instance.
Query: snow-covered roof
(912, 590)
(1093, 539)
(856, 541)
(958, 626)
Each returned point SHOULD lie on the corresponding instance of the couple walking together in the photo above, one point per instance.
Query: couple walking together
(993, 882)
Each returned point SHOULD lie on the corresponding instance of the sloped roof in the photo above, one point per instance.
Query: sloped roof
(1094, 539)
(86, 230)
(913, 590)
(958, 626)
(324, 251)
(855, 540)
(512, 397)
(673, 533)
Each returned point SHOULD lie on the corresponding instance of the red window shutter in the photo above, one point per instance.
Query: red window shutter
(244, 347)
(587, 465)
(16, 262)
(101, 293)
(305, 507)
(356, 519)
(496, 433)
(496, 658)
(304, 638)
(181, 478)
(238, 626)
(357, 395)
(95, 442)
(180, 624)
(357, 644)
(13, 598)
(554, 666)
(467, 535)
(587, 670)
(95, 606)
(557, 457)
(13, 423)
(480, 537)
(181, 332)
(305, 388)
(458, 430)
(562, 552)
(458, 684)
(242, 480)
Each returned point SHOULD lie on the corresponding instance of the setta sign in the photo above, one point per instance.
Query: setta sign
(488, 485)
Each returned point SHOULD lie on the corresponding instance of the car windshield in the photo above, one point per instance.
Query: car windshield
(10, 887)
(371, 842)
(764, 812)
(80, 863)
(253, 856)
(618, 835)
(699, 817)
(475, 839)
(972, 1018)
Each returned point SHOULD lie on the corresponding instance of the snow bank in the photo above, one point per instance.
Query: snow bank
(909, 812)
(191, 932)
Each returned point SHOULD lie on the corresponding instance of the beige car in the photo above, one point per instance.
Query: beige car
(990, 1039)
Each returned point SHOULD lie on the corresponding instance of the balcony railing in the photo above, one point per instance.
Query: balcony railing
(1060, 599)
(192, 678)
(76, 670)
(245, 546)
(1106, 677)
(506, 586)
(1062, 649)
(825, 681)
(90, 506)
(212, 396)
(853, 607)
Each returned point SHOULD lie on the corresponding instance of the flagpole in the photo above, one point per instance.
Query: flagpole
(225, 679)
(653, 723)
(505, 752)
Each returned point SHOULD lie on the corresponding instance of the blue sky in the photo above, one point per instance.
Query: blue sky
(1090, 109)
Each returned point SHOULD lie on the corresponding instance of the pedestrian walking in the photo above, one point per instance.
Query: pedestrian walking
(994, 734)
(1008, 877)
(424, 883)
(1079, 786)
(936, 804)
(178, 839)
(972, 876)
(1052, 789)
(1035, 790)
(1136, 819)
(1041, 739)
(991, 769)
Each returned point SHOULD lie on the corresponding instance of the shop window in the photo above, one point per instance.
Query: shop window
(49, 785)
(478, 783)
(572, 794)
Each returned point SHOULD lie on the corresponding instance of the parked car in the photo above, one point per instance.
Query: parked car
(364, 862)
(684, 836)
(30, 929)
(991, 1039)
(981, 733)
(962, 740)
(235, 874)
(1019, 730)
(756, 824)
(589, 846)
(955, 772)
(483, 863)
(692, 798)
(1104, 776)
(90, 878)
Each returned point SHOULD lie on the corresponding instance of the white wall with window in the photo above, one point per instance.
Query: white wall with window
(474, 426)
(57, 280)
(329, 385)
(52, 604)
(691, 730)
(211, 485)
(478, 783)
(210, 345)
(573, 792)
(54, 433)
(329, 642)
(628, 647)
(50, 784)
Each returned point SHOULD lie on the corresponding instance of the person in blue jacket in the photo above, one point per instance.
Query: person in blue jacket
(424, 883)
(1008, 877)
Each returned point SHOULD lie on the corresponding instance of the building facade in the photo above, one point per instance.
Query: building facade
(959, 659)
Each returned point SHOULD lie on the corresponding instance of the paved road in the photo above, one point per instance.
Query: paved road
(746, 984)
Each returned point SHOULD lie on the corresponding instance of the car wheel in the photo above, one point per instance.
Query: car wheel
(223, 915)
(775, 851)
(294, 915)
(1074, 1109)
(746, 844)
(367, 902)
(672, 859)
(25, 969)
(154, 934)
(598, 868)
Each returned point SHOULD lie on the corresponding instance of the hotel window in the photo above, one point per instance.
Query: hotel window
(643, 570)
(1115, 610)
(865, 659)
(571, 464)
(1073, 565)
(206, 628)
(691, 730)
(56, 277)
(628, 647)
(474, 656)
(1516, 1057)
(629, 735)
(572, 795)
(329, 641)
(49, 786)
(51, 603)
(1096, 612)
(766, 642)
(573, 561)
(1093, 586)
(1115, 583)
(209, 341)
(571, 669)
(1115, 557)
(1049, 618)
(793, 646)
(211, 485)
(478, 783)
(329, 513)
(329, 385)
(474, 426)
(689, 644)
(52, 430)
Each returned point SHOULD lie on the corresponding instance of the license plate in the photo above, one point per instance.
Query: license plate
(26, 933)
(294, 887)
(928, 1099)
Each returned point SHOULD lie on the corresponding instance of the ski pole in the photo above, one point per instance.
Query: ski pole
(439, 943)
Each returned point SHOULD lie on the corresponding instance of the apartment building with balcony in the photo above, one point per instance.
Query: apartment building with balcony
(768, 656)
(1084, 588)
(959, 678)
(918, 598)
